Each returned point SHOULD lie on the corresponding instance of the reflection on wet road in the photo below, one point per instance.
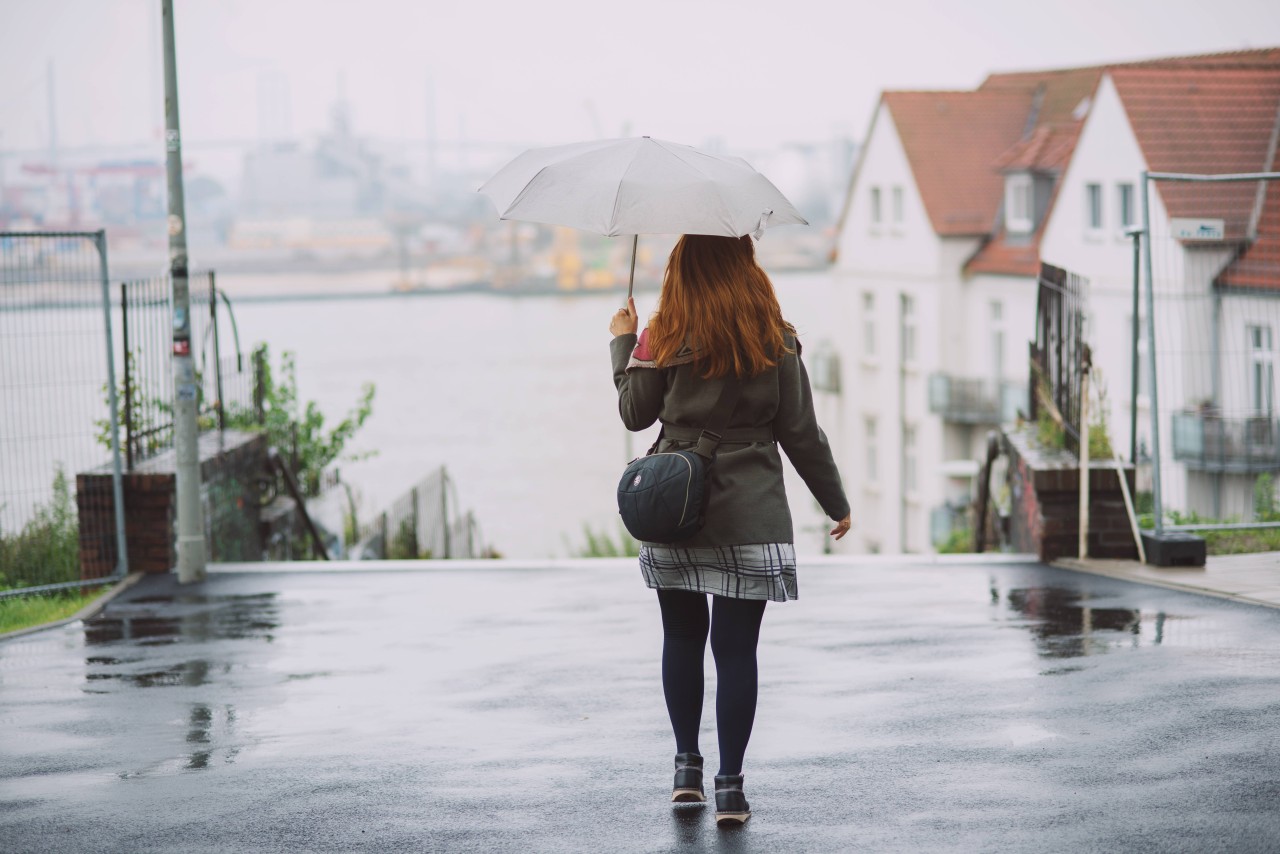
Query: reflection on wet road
(514, 709)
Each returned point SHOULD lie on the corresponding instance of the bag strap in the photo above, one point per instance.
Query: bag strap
(717, 422)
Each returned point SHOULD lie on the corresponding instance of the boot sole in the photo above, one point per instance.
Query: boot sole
(688, 796)
(726, 819)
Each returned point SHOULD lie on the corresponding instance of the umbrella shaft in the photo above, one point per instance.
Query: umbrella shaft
(631, 284)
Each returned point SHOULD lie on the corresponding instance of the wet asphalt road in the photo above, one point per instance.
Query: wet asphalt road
(1002, 707)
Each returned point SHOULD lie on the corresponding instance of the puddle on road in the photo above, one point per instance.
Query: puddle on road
(186, 618)
(205, 618)
(1063, 626)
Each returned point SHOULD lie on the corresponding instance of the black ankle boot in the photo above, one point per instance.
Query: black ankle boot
(688, 782)
(731, 805)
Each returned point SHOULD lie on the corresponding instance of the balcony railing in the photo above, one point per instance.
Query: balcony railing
(975, 401)
(1207, 441)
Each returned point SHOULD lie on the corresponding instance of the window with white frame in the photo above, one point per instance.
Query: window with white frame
(876, 212)
(1019, 216)
(897, 205)
(908, 459)
(869, 324)
(1124, 204)
(907, 328)
(873, 449)
(1261, 368)
(1093, 206)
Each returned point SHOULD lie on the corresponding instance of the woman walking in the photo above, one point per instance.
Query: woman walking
(718, 316)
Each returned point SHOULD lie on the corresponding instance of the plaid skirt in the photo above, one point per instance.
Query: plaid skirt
(754, 571)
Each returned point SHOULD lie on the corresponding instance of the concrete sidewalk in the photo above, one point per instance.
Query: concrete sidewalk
(1253, 579)
(959, 706)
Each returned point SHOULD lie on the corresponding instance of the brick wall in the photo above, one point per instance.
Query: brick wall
(230, 465)
(1045, 493)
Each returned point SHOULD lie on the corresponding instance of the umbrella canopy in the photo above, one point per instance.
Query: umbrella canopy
(638, 186)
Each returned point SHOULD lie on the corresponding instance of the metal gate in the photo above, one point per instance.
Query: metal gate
(58, 413)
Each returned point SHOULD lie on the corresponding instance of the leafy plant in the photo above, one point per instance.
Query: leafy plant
(1264, 499)
(297, 429)
(47, 549)
(959, 541)
(601, 544)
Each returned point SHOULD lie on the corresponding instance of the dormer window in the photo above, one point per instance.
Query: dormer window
(1019, 203)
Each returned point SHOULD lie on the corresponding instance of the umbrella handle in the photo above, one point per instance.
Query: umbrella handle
(631, 284)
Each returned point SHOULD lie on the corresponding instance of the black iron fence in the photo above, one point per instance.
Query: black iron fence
(1059, 353)
(229, 381)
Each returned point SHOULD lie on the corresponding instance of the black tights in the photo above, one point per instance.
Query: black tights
(734, 625)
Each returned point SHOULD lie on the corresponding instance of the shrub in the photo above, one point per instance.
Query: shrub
(47, 549)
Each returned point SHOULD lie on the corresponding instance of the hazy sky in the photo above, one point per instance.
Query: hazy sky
(752, 74)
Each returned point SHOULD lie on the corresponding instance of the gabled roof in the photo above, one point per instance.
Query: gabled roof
(1061, 104)
(959, 144)
(951, 139)
(1204, 121)
(1259, 265)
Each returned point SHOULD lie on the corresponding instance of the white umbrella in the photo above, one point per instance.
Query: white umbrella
(638, 186)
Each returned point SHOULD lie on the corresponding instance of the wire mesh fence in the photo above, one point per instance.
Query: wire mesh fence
(228, 380)
(56, 368)
(1211, 322)
(425, 522)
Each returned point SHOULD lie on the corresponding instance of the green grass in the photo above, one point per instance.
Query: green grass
(21, 612)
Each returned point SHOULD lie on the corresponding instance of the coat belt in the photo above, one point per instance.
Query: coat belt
(732, 436)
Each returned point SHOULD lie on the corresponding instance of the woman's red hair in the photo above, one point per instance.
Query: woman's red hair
(718, 300)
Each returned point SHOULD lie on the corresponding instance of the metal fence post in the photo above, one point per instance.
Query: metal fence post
(1157, 502)
(217, 353)
(117, 478)
(1133, 359)
(259, 386)
(128, 376)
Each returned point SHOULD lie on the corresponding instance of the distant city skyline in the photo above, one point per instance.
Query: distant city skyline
(741, 75)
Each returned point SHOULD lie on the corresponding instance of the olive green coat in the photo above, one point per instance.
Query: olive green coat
(747, 502)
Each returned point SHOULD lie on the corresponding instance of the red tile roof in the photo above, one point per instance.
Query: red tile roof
(1259, 264)
(1204, 121)
(1062, 102)
(1206, 113)
(951, 140)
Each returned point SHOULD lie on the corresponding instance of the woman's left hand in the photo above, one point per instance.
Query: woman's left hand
(625, 321)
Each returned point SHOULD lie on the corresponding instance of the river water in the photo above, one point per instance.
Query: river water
(513, 395)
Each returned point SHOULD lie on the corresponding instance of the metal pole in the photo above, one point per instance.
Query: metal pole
(1157, 502)
(129, 378)
(191, 544)
(1084, 459)
(1133, 379)
(631, 283)
(217, 352)
(117, 479)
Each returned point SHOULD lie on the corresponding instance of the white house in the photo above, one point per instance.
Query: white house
(956, 199)
(1218, 299)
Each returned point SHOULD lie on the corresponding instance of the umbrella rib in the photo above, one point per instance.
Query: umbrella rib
(715, 186)
(523, 190)
(617, 194)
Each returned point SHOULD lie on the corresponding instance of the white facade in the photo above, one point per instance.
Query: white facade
(912, 314)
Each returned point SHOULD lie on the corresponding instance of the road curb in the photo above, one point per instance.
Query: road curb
(85, 613)
(1075, 565)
